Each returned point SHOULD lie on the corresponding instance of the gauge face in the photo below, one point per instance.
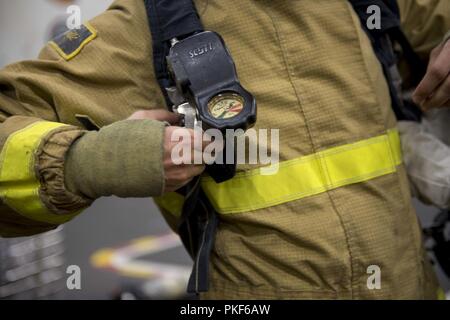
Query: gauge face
(226, 105)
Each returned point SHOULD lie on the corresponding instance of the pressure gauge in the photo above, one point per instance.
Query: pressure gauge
(226, 105)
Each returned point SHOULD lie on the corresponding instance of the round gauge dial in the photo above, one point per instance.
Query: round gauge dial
(226, 105)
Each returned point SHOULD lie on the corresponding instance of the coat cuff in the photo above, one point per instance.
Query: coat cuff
(50, 160)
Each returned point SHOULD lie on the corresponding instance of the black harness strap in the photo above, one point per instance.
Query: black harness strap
(197, 228)
(382, 43)
(170, 19)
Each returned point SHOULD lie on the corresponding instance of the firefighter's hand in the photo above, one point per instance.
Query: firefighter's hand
(176, 175)
(434, 90)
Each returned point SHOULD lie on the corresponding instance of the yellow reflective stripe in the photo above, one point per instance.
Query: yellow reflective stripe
(19, 186)
(299, 178)
(441, 294)
(171, 202)
(307, 176)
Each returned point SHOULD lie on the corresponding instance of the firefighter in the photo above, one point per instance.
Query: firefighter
(338, 208)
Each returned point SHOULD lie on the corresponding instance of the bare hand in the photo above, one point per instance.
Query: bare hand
(434, 90)
(176, 176)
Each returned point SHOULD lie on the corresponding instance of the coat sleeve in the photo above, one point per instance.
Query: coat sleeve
(425, 22)
(33, 143)
(104, 71)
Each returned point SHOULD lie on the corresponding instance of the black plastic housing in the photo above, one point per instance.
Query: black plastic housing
(202, 67)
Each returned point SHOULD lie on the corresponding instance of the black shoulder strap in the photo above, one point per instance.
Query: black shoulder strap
(169, 19)
(179, 19)
(382, 40)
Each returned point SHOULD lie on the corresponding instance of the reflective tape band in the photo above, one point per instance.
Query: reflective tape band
(301, 177)
(441, 294)
(307, 176)
(19, 186)
(171, 202)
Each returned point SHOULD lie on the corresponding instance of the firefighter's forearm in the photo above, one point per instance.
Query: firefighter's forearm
(122, 159)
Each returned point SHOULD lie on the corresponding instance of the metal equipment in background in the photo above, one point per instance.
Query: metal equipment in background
(32, 267)
(438, 240)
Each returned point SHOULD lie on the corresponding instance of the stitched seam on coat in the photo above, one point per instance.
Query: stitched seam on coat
(308, 129)
(405, 206)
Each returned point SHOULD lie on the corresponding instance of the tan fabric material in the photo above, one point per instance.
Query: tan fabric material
(425, 23)
(12, 124)
(13, 225)
(50, 167)
(316, 78)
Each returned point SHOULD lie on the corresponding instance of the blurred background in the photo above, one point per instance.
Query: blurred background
(123, 247)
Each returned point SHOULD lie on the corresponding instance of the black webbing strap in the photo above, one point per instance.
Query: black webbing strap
(197, 228)
(382, 44)
(170, 19)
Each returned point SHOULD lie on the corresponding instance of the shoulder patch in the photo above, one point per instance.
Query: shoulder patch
(70, 43)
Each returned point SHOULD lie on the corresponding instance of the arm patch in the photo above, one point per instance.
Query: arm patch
(70, 43)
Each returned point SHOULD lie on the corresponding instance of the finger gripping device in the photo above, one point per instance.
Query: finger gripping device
(207, 92)
(205, 76)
